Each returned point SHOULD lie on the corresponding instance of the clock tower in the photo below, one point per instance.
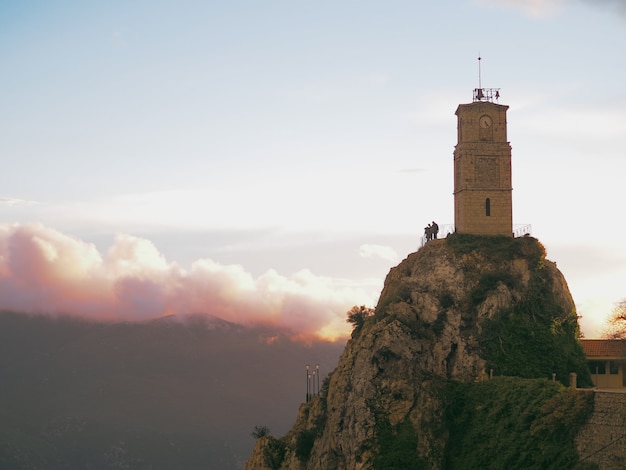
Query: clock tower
(482, 167)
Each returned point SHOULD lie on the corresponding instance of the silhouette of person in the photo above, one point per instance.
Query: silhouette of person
(434, 229)
(428, 232)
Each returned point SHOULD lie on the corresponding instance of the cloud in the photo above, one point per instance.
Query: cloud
(11, 201)
(534, 8)
(45, 271)
(378, 251)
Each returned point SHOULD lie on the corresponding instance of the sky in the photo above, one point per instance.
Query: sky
(268, 162)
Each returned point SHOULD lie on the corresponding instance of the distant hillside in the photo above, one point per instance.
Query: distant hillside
(162, 394)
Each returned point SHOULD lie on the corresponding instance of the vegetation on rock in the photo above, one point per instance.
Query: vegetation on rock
(411, 389)
(515, 424)
(260, 431)
(397, 447)
(535, 336)
(356, 316)
(274, 452)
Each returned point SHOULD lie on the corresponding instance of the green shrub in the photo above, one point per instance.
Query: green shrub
(304, 444)
(498, 247)
(357, 316)
(260, 431)
(514, 424)
(397, 447)
(513, 345)
(274, 452)
(488, 282)
(463, 243)
(535, 338)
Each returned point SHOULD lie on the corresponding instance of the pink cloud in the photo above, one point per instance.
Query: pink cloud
(45, 271)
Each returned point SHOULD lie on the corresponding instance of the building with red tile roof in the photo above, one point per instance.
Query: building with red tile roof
(607, 362)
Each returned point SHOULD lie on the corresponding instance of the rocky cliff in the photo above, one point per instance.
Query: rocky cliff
(458, 310)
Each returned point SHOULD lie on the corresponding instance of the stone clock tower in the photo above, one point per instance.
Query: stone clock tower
(482, 167)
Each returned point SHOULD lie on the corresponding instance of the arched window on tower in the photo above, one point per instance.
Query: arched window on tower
(488, 207)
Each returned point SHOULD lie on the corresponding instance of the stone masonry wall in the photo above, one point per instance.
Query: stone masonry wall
(471, 216)
(603, 439)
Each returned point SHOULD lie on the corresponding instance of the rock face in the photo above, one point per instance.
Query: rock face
(441, 317)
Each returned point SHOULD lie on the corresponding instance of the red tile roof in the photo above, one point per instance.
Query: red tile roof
(604, 347)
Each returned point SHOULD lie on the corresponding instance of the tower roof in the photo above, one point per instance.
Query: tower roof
(481, 104)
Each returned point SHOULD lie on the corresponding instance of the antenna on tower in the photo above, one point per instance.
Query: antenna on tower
(485, 94)
(478, 92)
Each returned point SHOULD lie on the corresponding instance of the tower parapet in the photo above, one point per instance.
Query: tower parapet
(486, 94)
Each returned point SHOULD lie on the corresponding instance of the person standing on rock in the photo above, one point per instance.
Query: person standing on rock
(434, 229)
(428, 232)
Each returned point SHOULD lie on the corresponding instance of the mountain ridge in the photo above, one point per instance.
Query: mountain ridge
(163, 393)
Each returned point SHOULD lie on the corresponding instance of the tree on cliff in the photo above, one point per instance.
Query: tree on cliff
(357, 315)
(617, 322)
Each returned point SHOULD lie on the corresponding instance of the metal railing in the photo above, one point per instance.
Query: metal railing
(519, 230)
(444, 231)
(486, 94)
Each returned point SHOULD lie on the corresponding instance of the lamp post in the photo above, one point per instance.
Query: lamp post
(313, 383)
(317, 368)
(307, 383)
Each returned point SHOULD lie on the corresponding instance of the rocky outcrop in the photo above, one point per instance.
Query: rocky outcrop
(439, 311)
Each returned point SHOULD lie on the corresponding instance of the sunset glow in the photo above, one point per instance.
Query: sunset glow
(45, 271)
(270, 162)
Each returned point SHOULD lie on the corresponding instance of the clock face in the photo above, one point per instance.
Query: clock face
(485, 122)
